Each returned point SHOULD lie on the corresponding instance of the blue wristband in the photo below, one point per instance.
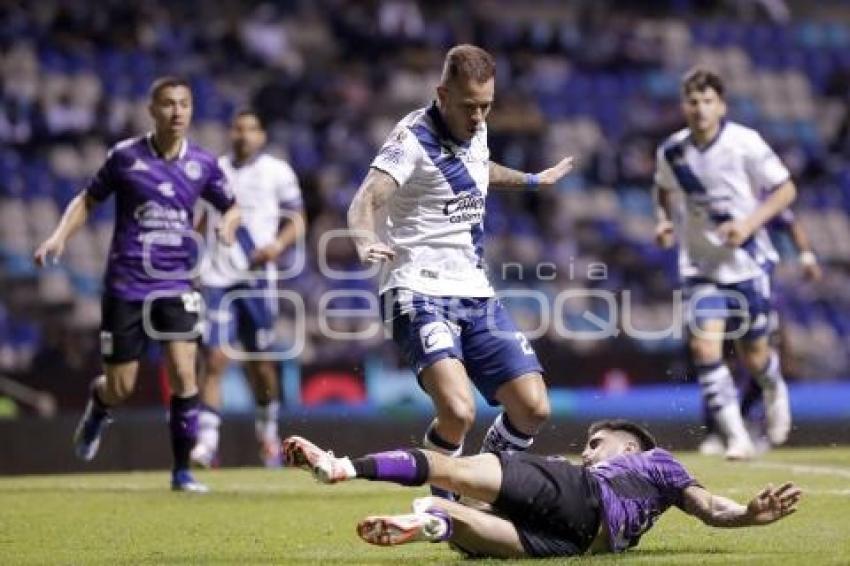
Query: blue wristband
(532, 181)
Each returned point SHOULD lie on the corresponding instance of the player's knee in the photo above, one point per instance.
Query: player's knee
(460, 413)
(216, 363)
(117, 390)
(540, 412)
(531, 416)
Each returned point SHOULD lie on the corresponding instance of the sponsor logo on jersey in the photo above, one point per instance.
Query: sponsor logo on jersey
(392, 152)
(435, 336)
(468, 207)
(153, 216)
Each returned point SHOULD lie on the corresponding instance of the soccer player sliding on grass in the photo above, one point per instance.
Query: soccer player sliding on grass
(542, 506)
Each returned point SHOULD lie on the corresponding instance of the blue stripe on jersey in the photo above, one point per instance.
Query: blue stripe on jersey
(245, 241)
(749, 244)
(675, 154)
(455, 174)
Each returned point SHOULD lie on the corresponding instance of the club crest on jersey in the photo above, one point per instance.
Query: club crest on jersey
(193, 169)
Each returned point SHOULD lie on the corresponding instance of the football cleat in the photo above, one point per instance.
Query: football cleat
(391, 530)
(182, 480)
(90, 429)
(712, 445)
(203, 456)
(739, 448)
(325, 467)
(777, 409)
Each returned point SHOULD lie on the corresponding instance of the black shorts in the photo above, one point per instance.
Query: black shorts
(553, 504)
(123, 333)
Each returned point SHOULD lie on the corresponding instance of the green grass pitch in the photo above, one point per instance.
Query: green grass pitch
(284, 517)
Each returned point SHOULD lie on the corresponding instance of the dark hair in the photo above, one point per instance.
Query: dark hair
(645, 438)
(243, 112)
(167, 82)
(700, 79)
(468, 62)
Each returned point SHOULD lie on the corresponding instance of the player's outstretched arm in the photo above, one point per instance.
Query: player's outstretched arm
(501, 176)
(76, 214)
(735, 232)
(768, 506)
(372, 195)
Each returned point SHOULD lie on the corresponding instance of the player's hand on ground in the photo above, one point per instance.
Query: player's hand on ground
(773, 504)
(376, 252)
(552, 175)
(50, 248)
(734, 233)
(665, 235)
(266, 254)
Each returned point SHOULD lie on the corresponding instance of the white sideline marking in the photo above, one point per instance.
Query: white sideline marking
(805, 469)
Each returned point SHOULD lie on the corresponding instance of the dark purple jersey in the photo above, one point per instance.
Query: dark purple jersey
(155, 200)
(636, 489)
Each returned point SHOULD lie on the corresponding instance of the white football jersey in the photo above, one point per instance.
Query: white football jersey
(720, 182)
(262, 188)
(435, 219)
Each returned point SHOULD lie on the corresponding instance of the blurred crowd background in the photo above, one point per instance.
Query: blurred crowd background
(595, 79)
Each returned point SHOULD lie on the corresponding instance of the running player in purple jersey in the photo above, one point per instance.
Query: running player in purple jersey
(156, 178)
(542, 506)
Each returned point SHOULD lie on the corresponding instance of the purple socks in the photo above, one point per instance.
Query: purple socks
(183, 424)
(404, 467)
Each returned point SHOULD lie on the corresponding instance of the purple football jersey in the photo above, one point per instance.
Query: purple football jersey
(155, 200)
(636, 489)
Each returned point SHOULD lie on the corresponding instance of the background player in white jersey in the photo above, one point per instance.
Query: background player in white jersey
(784, 223)
(720, 168)
(272, 219)
(431, 177)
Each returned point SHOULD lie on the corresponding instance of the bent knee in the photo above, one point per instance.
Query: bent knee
(529, 418)
(459, 412)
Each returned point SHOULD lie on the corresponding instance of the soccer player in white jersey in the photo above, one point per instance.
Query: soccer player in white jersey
(239, 283)
(430, 179)
(784, 223)
(719, 169)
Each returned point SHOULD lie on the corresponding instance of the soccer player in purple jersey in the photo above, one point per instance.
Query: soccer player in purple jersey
(156, 178)
(542, 506)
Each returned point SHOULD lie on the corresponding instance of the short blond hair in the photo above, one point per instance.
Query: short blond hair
(468, 62)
